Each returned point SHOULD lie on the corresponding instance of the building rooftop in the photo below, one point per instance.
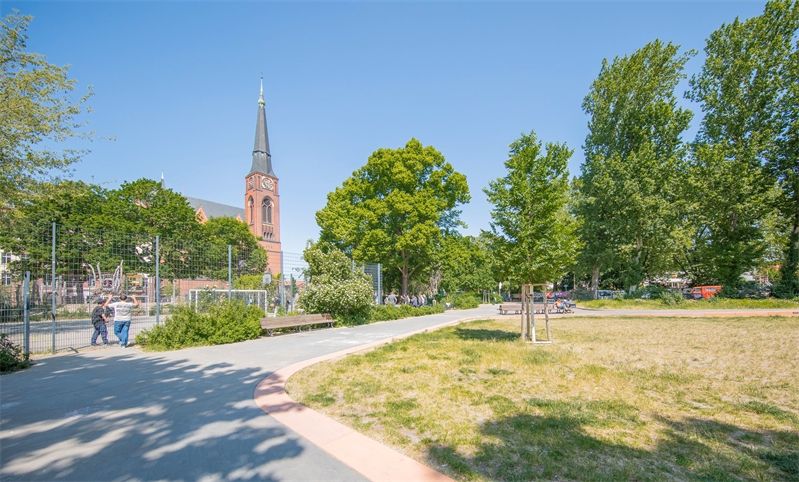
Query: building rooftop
(215, 210)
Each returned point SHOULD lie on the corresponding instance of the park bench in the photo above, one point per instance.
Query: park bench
(516, 308)
(506, 308)
(271, 324)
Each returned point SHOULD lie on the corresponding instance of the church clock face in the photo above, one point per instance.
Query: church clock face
(267, 183)
(250, 183)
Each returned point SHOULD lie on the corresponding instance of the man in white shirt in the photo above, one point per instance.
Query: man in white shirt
(123, 313)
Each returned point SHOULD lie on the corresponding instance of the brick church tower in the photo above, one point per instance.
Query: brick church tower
(262, 194)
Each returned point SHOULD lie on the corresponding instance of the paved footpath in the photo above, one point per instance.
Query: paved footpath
(122, 414)
(116, 414)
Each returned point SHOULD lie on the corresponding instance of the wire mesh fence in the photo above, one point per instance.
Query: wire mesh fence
(375, 271)
(52, 281)
(70, 270)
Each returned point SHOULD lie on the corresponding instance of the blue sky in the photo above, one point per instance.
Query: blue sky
(176, 84)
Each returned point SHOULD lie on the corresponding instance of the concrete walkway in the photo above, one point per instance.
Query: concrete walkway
(116, 414)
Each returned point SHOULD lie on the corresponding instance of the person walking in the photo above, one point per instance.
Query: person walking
(123, 313)
(99, 321)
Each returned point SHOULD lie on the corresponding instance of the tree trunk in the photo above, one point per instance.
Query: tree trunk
(405, 273)
(594, 280)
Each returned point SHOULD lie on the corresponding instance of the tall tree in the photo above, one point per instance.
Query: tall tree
(747, 141)
(36, 111)
(535, 235)
(248, 257)
(634, 157)
(784, 165)
(394, 209)
(76, 209)
(464, 264)
(139, 211)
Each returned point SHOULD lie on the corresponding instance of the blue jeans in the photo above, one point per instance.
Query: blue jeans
(121, 331)
(100, 330)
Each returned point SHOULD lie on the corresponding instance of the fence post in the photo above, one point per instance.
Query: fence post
(282, 283)
(379, 284)
(157, 281)
(53, 294)
(229, 270)
(26, 320)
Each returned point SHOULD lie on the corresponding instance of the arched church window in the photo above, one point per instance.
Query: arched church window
(266, 211)
(252, 211)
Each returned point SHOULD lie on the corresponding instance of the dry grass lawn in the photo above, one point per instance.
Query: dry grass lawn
(612, 399)
(711, 304)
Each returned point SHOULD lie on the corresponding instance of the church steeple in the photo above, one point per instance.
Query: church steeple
(261, 158)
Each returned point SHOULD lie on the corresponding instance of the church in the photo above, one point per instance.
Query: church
(261, 209)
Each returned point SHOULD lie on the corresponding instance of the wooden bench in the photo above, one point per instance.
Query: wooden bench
(505, 308)
(516, 308)
(298, 321)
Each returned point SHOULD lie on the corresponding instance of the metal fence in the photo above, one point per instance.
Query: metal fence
(375, 271)
(51, 284)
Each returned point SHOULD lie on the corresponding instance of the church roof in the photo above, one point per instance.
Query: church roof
(215, 210)
(261, 157)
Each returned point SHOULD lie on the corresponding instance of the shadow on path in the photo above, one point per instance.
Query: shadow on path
(153, 418)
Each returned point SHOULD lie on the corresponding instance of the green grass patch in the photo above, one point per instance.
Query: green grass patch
(611, 399)
(711, 304)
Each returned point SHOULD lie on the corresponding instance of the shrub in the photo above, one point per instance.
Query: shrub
(348, 299)
(672, 298)
(11, 356)
(227, 322)
(464, 301)
(334, 286)
(395, 312)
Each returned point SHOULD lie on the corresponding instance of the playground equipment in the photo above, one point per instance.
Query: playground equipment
(528, 328)
(108, 283)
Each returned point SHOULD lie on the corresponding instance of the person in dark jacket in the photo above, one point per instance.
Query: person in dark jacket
(99, 322)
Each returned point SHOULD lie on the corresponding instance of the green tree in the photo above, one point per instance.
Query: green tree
(395, 209)
(36, 111)
(747, 141)
(535, 235)
(75, 207)
(634, 161)
(139, 211)
(248, 258)
(784, 164)
(334, 286)
(465, 264)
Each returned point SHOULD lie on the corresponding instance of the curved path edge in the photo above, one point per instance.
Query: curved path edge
(365, 455)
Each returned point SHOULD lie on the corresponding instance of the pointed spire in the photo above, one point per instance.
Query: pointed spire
(261, 158)
(163, 183)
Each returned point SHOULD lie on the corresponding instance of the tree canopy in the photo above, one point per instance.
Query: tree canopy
(534, 234)
(634, 158)
(395, 209)
(36, 111)
(747, 143)
(101, 228)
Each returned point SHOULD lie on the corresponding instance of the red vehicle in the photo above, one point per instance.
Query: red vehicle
(705, 292)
